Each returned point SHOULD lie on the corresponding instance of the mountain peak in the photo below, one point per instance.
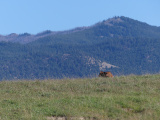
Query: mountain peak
(112, 21)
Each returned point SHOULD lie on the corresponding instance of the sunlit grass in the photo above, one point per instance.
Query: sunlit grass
(126, 97)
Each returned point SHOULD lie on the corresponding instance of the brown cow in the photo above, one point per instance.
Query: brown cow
(105, 74)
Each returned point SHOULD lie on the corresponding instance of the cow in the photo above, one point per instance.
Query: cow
(105, 74)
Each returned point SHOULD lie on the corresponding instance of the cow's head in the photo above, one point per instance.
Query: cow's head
(102, 74)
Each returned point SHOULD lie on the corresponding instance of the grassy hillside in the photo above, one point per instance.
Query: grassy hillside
(125, 97)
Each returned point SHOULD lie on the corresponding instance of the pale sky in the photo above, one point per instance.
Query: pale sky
(34, 16)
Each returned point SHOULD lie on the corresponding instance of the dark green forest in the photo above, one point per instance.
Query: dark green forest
(130, 45)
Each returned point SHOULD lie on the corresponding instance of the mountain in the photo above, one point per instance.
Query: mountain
(121, 45)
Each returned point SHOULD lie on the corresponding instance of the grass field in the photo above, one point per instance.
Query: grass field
(125, 97)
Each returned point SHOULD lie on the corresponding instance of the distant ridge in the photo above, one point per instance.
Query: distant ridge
(27, 38)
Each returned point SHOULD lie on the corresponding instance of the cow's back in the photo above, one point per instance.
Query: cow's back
(109, 74)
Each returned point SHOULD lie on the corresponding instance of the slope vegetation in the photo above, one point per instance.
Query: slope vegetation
(120, 45)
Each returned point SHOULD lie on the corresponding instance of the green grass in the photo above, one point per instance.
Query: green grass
(125, 97)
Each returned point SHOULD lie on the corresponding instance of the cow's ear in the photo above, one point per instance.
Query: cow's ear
(101, 72)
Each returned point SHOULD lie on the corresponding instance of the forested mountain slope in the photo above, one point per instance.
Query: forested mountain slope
(120, 45)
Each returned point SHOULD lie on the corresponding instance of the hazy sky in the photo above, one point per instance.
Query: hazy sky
(34, 16)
